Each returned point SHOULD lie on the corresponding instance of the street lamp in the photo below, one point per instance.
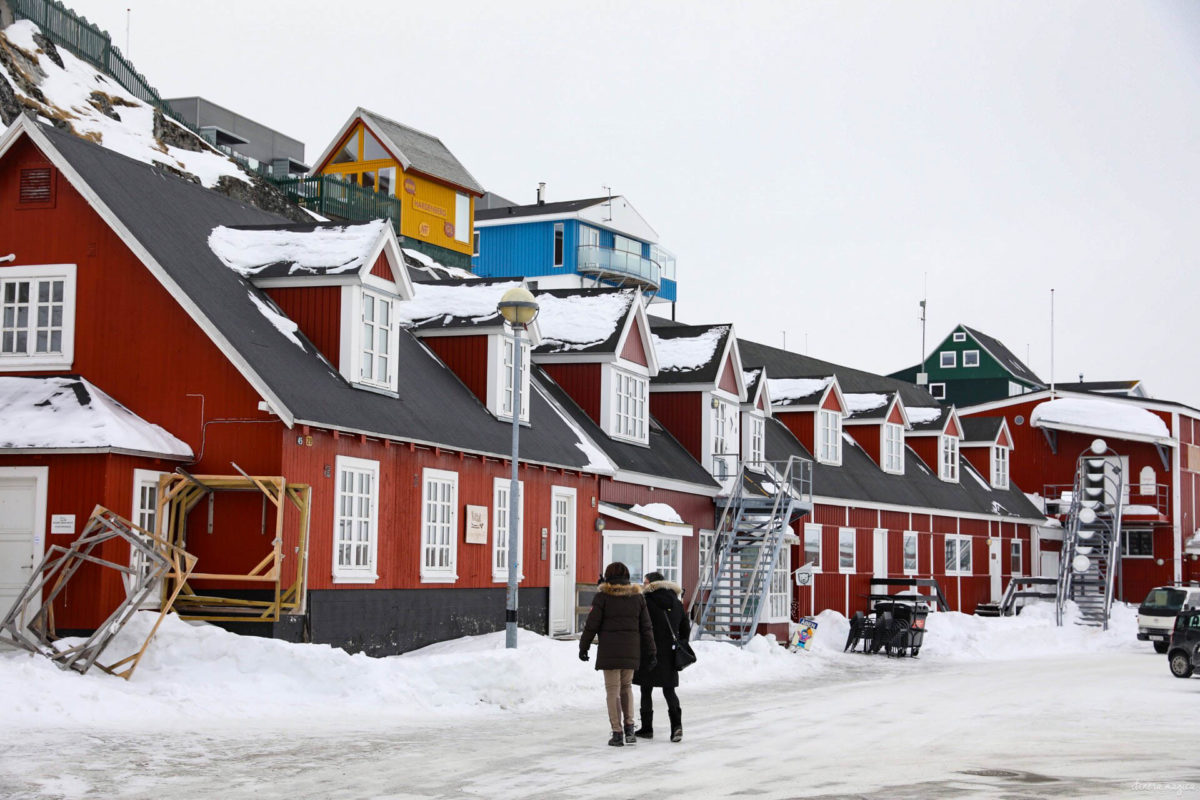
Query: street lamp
(518, 308)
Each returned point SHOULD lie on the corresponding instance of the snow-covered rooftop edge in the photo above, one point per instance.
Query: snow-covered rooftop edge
(336, 249)
(1097, 414)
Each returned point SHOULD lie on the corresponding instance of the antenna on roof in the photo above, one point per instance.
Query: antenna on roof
(922, 375)
(128, 14)
(608, 203)
(1051, 343)
(785, 340)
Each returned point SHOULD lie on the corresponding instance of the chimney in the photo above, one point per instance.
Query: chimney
(541, 193)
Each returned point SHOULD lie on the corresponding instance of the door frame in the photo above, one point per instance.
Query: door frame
(996, 567)
(565, 594)
(41, 481)
(879, 553)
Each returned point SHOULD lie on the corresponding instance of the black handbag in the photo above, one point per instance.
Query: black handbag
(682, 655)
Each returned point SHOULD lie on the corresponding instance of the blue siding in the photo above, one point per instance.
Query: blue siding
(524, 250)
(668, 290)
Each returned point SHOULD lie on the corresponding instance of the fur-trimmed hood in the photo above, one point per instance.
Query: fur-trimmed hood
(620, 589)
(664, 584)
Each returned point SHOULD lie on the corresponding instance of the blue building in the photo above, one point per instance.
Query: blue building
(600, 241)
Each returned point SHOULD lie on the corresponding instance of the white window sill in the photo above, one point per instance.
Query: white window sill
(29, 363)
(355, 578)
(504, 578)
(847, 571)
(439, 579)
(911, 573)
(389, 391)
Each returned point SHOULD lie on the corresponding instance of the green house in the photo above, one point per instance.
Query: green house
(970, 367)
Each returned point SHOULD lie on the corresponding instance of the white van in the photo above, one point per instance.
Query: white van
(1156, 614)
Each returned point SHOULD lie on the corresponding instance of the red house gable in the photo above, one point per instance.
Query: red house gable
(728, 381)
(894, 416)
(635, 349)
(832, 401)
(952, 428)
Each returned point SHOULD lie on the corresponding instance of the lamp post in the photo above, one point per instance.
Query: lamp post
(518, 308)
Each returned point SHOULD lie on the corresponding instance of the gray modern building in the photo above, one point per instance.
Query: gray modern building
(241, 136)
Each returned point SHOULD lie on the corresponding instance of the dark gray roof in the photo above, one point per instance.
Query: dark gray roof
(536, 209)
(707, 372)
(860, 478)
(1100, 386)
(980, 429)
(1003, 355)
(934, 423)
(491, 200)
(664, 458)
(552, 344)
(424, 151)
(172, 219)
(420, 272)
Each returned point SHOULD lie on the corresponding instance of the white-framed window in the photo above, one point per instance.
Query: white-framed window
(970, 358)
(1000, 466)
(475, 244)
(145, 515)
(755, 437)
(893, 448)
(629, 405)
(948, 458)
(560, 244)
(959, 336)
(812, 546)
(706, 558)
(725, 437)
(500, 504)
(910, 540)
(377, 342)
(37, 317)
(948, 359)
(355, 520)
(779, 597)
(1014, 557)
(958, 554)
(1137, 543)
(462, 218)
(938, 390)
(439, 526)
(847, 549)
(829, 436)
(666, 557)
(505, 410)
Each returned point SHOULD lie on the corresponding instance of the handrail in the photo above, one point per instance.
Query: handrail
(598, 258)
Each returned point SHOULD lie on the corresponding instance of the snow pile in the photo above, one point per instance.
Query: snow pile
(659, 511)
(63, 412)
(686, 353)
(921, 415)
(578, 321)
(76, 92)
(1106, 415)
(787, 390)
(475, 302)
(856, 403)
(320, 250)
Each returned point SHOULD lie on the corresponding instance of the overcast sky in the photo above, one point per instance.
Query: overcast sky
(809, 163)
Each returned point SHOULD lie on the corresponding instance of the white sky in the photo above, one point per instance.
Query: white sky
(809, 163)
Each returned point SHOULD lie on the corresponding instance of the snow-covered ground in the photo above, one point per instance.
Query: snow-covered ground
(992, 708)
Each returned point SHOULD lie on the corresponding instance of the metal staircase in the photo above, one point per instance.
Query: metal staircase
(1091, 554)
(735, 573)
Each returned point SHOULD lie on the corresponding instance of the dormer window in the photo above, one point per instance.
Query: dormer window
(629, 406)
(949, 459)
(1000, 467)
(378, 341)
(755, 443)
(725, 437)
(893, 448)
(505, 394)
(829, 437)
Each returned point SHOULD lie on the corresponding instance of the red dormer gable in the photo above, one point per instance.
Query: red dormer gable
(728, 380)
(1003, 439)
(895, 417)
(382, 268)
(952, 428)
(832, 402)
(635, 349)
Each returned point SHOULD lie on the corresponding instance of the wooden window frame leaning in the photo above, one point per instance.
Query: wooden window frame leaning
(180, 492)
(163, 564)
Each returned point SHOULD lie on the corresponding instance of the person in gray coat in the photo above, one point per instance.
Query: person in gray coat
(620, 618)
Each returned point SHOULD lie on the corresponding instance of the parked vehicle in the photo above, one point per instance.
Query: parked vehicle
(1156, 614)
(1183, 655)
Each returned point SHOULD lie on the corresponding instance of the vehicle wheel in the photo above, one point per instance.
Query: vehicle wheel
(1181, 665)
(1161, 647)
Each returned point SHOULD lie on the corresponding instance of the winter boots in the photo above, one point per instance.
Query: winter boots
(617, 740)
(676, 725)
(647, 729)
(630, 737)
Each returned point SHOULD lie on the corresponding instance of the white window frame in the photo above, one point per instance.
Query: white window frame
(365, 572)
(937, 391)
(500, 489)
(589, 236)
(968, 361)
(1000, 464)
(829, 436)
(852, 533)
(462, 218)
(671, 571)
(443, 573)
(959, 336)
(500, 351)
(948, 363)
(812, 532)
(146, 517)
(779, 590)
(948, 458)
(892, 448)
(370, 351)
(705, 540)
(916, 554)
(959, 542)
(1125, 542)
(725, 439)
(631, 404)
(1015, 553)
(29, 359)
(754, 436)
(558, 259)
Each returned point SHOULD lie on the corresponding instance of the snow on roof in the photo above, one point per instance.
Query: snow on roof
(659, 511)
(68, 412)
(282, 323)
(475, 302)
(921, 414)
(785, 390)
(1094, 412)
(435, 268)
(336, 249)
(75, 92)
(974, 473)
(597, 460)
(865, 401)
(578, 321)
(687, 352)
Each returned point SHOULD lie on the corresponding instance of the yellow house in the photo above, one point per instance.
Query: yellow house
(436, 192)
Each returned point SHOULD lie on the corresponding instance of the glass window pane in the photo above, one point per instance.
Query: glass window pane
(372, 149)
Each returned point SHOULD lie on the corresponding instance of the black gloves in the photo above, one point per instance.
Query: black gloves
(584, 656)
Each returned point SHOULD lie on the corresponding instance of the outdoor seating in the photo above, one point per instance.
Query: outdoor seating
(894, 627)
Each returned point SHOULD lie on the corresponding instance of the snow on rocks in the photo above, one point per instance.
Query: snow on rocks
(686, 353)
(659, 511)
(1095, 413)
(575, 322)
(333, 249)
(71, 413)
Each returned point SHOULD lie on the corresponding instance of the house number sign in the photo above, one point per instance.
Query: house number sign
(477, 524)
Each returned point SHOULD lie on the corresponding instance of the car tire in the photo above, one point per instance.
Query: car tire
(1161, 647)
(1181, 665)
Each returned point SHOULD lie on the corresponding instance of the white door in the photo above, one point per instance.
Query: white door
(1049, 564)
(630, 550)
(22, 525)
(562, 561)
(996, 569)
(879, 554)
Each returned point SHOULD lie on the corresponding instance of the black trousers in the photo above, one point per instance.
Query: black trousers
(668, 692)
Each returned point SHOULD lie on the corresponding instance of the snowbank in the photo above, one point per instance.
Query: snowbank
(339, 249)
(785, 390)
(1109, 415)
(578, 321)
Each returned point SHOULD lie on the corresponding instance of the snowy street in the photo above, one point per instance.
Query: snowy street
(1100, 718)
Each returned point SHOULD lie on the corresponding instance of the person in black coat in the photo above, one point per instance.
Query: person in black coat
(668, 616)
(620, 618)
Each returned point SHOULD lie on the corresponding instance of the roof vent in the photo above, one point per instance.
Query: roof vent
(541, 193)
(37, 187)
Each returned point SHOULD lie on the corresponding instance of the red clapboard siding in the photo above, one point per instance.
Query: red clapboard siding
(635, 349)
(382, 268)
(728, 382)
(863, 517)
(681, 414)
(980, 458)
(868, 438)
(467, 357)
(581, 382)
(800, 423)
(318, 313)
(896, 520)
